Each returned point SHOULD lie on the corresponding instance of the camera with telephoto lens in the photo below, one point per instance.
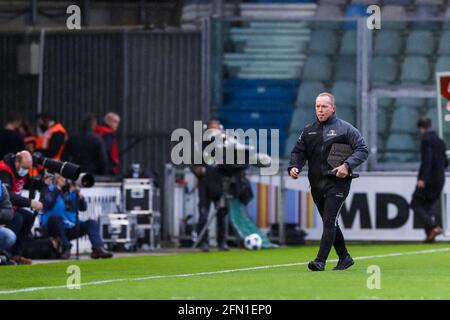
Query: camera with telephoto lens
(66, 169)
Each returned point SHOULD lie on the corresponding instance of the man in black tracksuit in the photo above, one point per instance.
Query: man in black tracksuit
(430, 180)
(329, 192)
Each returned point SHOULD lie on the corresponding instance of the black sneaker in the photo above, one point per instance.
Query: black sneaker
(344, 263)
(224, 248)
(204, 247)
(316, 265)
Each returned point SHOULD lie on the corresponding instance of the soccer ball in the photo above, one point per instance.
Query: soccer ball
(253, 242)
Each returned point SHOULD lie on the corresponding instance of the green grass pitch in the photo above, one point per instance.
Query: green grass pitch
(422, 273)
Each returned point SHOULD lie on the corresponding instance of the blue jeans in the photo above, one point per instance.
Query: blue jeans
(55, 228)
(21, 225)
(7, 238)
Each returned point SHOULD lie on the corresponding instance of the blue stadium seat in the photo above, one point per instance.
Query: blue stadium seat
(388, 42)
(442, 64)
(415, 69)
(317, 68)
(345, 94)
(366, 2)
(384, 113)
(301, 117)
(354, 10)
(420, 42)
(307, 93)
(346, 68)
(429, 2)
(444, 43)
(384, 70)
(427, 11)
(348, 43)
(323, 42)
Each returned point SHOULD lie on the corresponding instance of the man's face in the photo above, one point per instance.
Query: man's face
(113, 123)
(422, 131)
(25, 162)
(324, 108)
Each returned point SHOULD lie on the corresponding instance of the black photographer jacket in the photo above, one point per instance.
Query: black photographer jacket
(314, 146)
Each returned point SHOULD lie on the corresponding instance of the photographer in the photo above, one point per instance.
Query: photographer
(60, 217)
(14, 175)
(7, 236)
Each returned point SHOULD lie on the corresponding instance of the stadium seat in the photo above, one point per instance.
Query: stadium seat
(433, 115)
(323, 42)
(290, 143)
(345, 94)
(327, 11)
(415, 69)
(354, 10)
(384, 70)
(427, 12)
(384, 113)
(301, 117)
(334, 2)
(400, 141)
(347, 114)
(346, 68)
(393, 12)
(348, 43)
(403, 119)
(420, 42)
(442, 64)
(429, 2)
(317, 68)
(444, 43)
(366, 2)
(308, 92)
(388, 43)
(397, 2)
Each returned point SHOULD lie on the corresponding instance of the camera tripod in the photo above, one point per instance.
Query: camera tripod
(223, 202)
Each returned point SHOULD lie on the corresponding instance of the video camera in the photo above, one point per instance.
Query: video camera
(244, 155)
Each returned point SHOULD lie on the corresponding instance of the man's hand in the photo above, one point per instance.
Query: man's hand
(36, 205)
(294, 173)
(341, 171)
(420, 184)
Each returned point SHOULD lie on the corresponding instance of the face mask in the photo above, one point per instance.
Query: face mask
(22, 172)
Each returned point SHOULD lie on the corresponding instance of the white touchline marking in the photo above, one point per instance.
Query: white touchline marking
(221, 271)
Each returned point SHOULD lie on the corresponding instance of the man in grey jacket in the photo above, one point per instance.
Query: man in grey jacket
(7, 237)
(329, 191)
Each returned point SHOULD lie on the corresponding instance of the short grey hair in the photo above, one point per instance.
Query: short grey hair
(327, 94)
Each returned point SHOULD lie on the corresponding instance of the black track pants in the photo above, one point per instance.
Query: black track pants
(329, 206)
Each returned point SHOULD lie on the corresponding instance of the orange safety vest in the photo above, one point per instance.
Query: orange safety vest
(43, 141)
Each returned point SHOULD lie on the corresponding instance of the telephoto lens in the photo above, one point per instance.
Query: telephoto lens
(67, 169)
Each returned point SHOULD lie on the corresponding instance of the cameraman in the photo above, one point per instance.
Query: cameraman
(210, 190)
(14, 175)
(59, 218)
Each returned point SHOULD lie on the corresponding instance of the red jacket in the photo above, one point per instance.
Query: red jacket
(113, 148)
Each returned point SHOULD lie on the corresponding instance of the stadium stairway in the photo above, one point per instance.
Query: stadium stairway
(263, 67)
